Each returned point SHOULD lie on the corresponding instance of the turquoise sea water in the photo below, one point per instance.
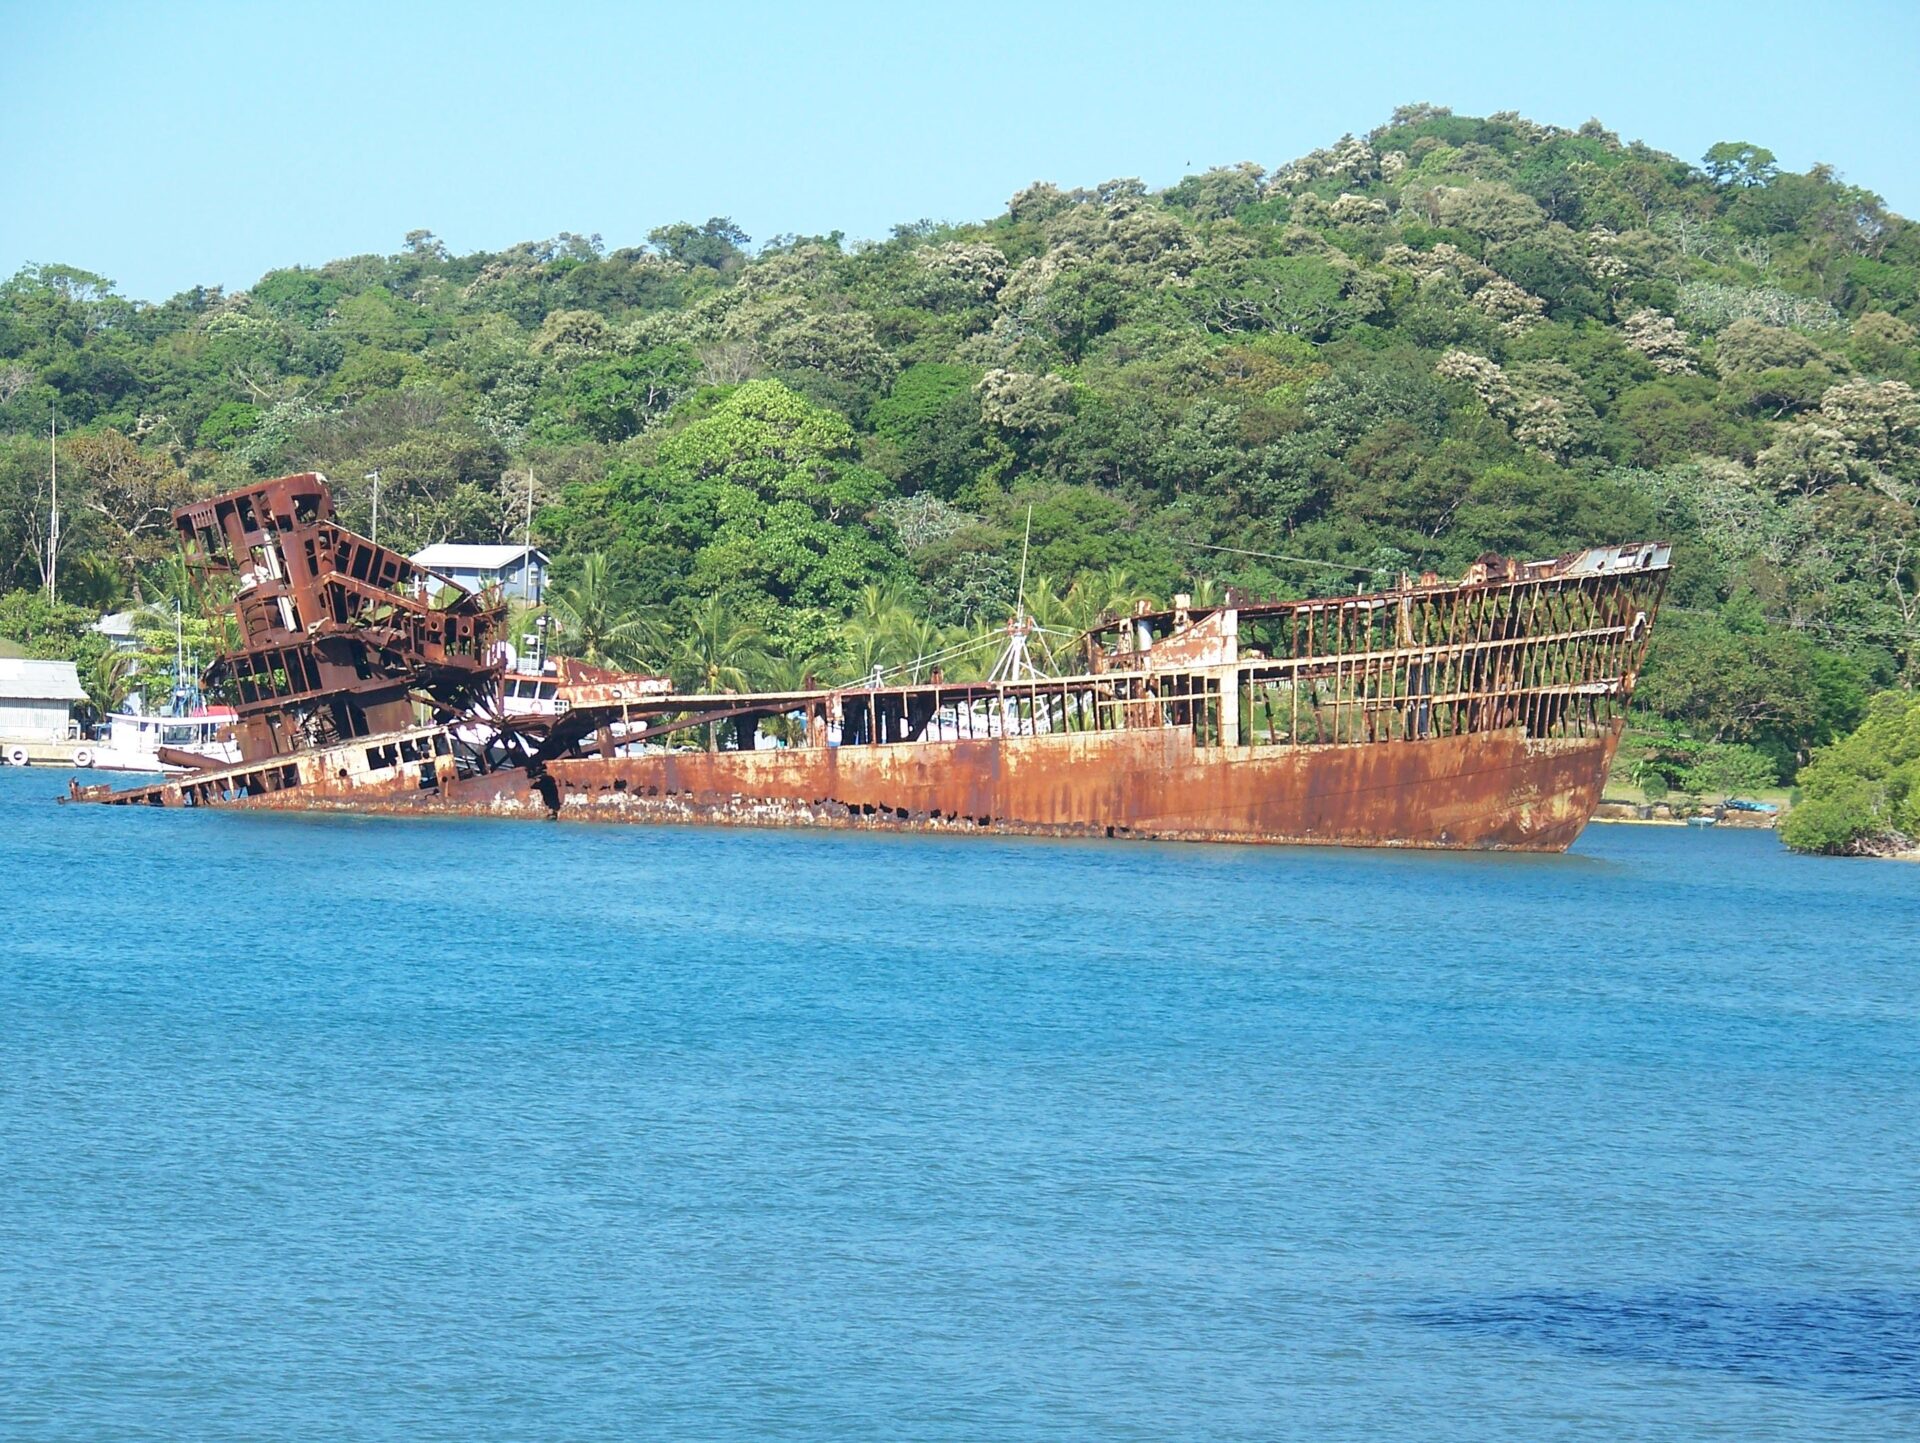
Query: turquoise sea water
(369, 1129)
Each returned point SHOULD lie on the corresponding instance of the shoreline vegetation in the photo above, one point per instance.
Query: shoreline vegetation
(813, 456)
(1862, 795)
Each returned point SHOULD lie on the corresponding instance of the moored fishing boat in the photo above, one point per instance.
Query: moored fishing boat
(137, 742)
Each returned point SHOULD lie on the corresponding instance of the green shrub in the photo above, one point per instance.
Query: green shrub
(1863, 792)
(1835, 825)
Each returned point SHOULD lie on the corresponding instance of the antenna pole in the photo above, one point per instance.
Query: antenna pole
(1020, 602)
(1014, 663)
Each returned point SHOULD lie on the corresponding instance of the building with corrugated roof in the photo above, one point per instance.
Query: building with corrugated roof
(36, 699)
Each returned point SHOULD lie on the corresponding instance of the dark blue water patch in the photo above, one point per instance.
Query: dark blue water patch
(1861, 1343)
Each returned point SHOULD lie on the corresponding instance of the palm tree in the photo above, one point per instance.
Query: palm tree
(1063, 613)
(517, 621)
(790, 672)
(594, 622)
(1062, 607)
(109, 681)
(166, 584)
(876, 633)
(880, 605)
(868, 649)
(1205, 591)
(972, 651)
(718, 650)
(1115, 590)
(919, 640)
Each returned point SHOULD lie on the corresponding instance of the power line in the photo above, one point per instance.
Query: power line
(1276, 556)
(952, 651)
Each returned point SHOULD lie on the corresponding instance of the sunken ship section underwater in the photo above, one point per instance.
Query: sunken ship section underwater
(1478, 713)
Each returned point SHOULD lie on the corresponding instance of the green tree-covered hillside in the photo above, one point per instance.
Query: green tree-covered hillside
(1448, 336)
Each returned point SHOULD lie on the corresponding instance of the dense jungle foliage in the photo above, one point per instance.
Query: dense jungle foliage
(1450, 336)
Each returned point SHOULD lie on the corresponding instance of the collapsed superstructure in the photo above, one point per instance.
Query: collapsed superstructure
(1482, 712)
(338, 637)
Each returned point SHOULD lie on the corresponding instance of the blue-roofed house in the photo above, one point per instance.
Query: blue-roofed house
(519, 571)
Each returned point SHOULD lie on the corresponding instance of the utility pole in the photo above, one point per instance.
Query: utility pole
(374, 477)
(179, 707)
(53, 511)
(526, 561)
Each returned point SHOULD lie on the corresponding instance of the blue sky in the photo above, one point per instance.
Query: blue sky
(172, 145)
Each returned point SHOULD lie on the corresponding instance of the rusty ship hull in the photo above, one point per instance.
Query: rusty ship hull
(1507, 792)
(1482, 713)
(1500, 793)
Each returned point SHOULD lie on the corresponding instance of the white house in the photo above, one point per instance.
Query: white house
(519, 571)
(36, 699)
(117, 628)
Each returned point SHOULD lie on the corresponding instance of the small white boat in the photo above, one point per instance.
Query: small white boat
(531, 693)
(133, 743)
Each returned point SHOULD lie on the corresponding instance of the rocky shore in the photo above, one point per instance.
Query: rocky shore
(1666, 814)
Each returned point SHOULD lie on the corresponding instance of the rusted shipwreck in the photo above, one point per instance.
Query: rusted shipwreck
(1476, 713)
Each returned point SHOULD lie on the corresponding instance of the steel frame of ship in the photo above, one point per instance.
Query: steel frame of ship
(1478, 714)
